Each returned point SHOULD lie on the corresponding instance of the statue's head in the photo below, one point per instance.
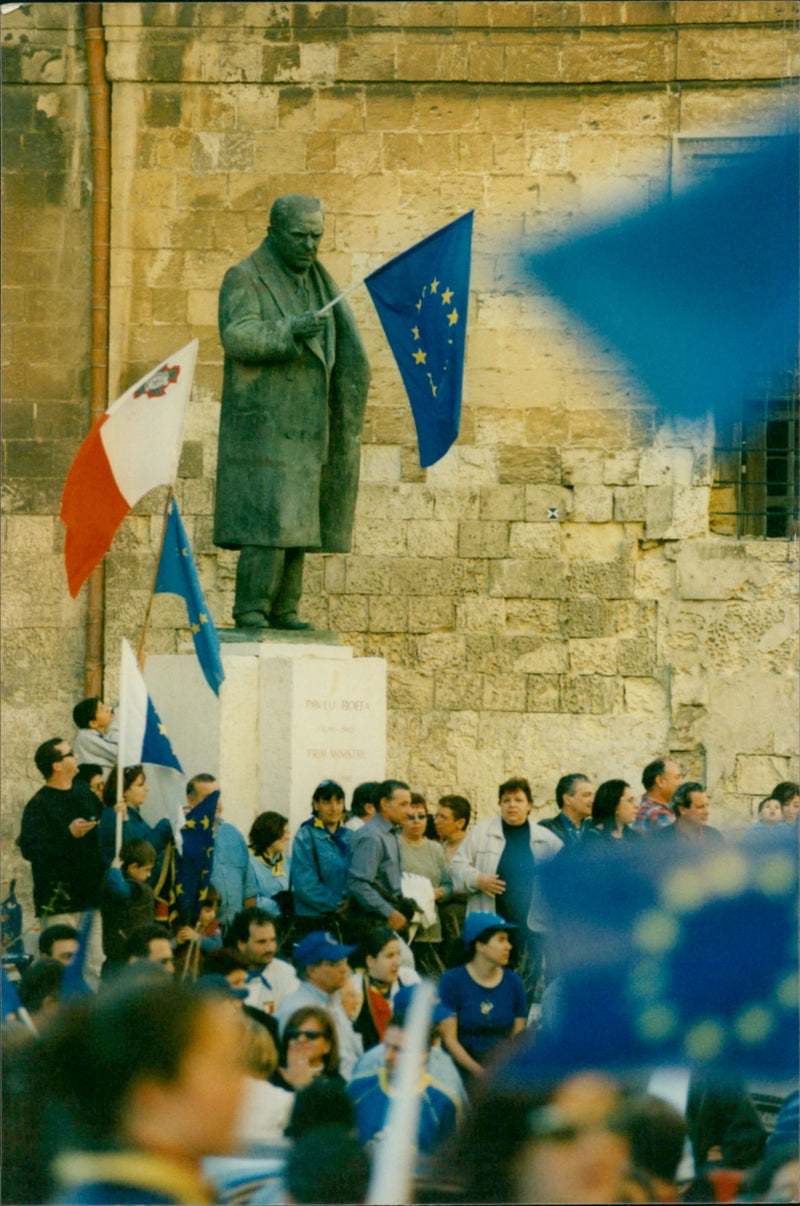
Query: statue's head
(295, 229)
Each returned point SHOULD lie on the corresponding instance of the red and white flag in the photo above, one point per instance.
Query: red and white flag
(132, 448)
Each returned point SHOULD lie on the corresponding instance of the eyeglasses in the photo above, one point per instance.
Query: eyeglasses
(66, 754)
(292, 1035)
(423, 816)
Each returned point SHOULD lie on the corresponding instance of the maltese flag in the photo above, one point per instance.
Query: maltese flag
(143, 739)
(132, 448)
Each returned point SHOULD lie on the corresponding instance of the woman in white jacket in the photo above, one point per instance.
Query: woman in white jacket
(495, 866)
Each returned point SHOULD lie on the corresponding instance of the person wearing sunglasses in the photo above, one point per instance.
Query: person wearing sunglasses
(321, 961)
(420, 856)
(309, 1050)
(58, 837)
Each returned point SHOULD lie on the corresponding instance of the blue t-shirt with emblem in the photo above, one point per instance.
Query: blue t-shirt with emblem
(484, 1015)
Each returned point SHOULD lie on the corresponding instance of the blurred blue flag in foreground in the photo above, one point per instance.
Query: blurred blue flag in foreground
(177, 575)
(700, 293)
(665, 957)
(422, 298)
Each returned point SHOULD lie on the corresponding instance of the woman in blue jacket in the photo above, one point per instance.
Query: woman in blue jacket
(320, 857)
(134, 794)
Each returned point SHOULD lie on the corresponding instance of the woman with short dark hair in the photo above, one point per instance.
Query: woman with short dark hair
(320, 858)
(269, 839)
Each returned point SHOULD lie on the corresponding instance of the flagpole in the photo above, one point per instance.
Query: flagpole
(338, 298)
(140, 650)
(122, 734)
(27, 1020)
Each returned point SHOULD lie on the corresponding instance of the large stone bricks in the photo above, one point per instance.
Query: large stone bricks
(548, 594)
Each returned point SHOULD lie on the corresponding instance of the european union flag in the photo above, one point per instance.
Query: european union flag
(663, 957)
(699, 293)
(422, 298)
(194, 864)
(156, 745)
(177, 575)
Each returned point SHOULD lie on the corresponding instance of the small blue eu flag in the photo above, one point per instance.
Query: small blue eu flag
(177, 575)
(422, 297)
(194, 863)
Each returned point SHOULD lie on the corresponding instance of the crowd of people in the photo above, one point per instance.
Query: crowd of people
(274, 1016)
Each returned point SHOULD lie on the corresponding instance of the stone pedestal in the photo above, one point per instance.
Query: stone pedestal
(293, 710)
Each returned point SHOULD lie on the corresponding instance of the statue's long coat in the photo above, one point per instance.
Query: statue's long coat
(292, 412)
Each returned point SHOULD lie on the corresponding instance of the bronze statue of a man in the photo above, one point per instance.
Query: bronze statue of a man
(293, 398)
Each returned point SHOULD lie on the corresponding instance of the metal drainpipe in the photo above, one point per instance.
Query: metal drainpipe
(100, 125)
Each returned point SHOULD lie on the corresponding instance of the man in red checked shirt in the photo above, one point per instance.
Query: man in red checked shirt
(660, 780)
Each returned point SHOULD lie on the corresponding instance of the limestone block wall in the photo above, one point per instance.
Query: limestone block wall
(45, 387)
(516, 643)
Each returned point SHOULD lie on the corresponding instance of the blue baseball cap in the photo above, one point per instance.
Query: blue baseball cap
(319, 947)
(478, 923)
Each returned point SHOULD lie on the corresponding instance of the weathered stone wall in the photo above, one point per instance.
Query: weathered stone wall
(515, 643)
(45, 347)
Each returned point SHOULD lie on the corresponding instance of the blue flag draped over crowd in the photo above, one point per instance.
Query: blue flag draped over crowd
(422, 297)
(194, 864)
(669, 958)
(700, 293)
(177, 575)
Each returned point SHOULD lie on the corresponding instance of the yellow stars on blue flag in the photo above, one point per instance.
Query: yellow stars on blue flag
(194, 864)
(419, 355)
(689, 957)
(685, 896)
(422, 298)
(156, 746)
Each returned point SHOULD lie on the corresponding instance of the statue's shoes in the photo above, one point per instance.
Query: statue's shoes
(290, 623)
(251, 619)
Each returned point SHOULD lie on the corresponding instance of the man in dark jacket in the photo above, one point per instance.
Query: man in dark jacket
(690, 805)
(293, 398)
(374, 874)
(574, 796)
(58, 837)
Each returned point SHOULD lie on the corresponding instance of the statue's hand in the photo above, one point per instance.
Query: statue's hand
(307, 325)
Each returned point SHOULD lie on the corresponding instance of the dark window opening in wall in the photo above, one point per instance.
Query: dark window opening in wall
(755, 491)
